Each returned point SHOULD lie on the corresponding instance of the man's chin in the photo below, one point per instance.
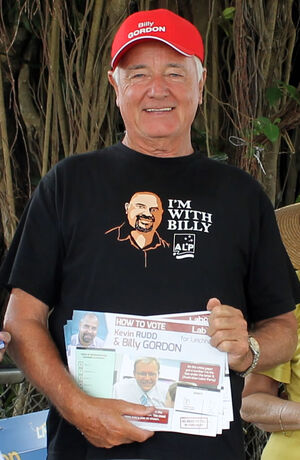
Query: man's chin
(144, 229)
(146, 389)
(88, 342)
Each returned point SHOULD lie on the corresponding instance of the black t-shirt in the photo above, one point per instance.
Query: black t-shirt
(120, 231)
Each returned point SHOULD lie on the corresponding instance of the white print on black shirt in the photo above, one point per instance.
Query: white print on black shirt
(184, 218)
(184, 245)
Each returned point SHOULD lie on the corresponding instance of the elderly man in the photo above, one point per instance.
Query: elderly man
(225, 254)
(144, 388)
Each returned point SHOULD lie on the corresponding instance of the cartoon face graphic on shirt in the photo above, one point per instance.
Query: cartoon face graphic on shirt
(144, 212)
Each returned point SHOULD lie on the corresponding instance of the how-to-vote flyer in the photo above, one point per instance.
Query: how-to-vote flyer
(191, 388)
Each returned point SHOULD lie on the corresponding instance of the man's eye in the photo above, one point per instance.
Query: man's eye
(138, 75)
(175, 75)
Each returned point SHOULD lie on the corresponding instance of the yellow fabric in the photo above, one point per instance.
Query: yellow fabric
(280, 445)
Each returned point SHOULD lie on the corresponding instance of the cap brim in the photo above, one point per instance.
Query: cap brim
(118, 56)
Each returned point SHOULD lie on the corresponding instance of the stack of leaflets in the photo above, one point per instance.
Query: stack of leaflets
(164, 361)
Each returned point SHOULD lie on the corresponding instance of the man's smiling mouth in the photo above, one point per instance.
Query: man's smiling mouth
(164, 109)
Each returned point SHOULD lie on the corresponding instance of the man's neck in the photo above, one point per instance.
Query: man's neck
(142, 240)
(160, 147)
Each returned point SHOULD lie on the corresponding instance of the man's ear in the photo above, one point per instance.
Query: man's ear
(114, 84)
(201, 85)
(126, 207)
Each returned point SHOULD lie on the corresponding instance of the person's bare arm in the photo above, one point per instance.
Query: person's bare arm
(228, 331)
(100, 420)
(4, 341)
(262, 406)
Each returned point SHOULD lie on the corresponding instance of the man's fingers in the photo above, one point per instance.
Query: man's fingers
(114, 426)
(226, 342)
(213, 302)
(127, 408)
(5, 336)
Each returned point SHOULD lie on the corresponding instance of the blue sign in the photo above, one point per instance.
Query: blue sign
(24, 437)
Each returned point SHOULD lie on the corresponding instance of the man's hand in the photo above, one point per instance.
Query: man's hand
(228, 332)
(103, 424)
(100, 420)
(4, 341)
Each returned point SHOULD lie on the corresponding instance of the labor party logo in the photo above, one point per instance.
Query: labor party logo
(184, 245)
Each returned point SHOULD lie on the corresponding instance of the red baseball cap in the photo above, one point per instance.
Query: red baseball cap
(162, 25)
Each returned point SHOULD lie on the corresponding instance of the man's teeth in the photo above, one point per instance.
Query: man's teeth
(165, 109)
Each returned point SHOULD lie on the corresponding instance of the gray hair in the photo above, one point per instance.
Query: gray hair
(199, 67)
(198, 63)
(146, 360)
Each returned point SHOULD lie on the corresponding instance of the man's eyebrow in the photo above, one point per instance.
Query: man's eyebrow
(144, 66)
(136, 67)
(176, 65)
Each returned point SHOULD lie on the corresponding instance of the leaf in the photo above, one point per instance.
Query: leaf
(269, 129)
(293, 92)
(228, 13)
(273, 95)
(260, 123)
(272, 132)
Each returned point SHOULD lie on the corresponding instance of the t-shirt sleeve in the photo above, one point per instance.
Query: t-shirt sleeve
(33, 260)
(283, 372)
(280, 373)
(273, 287)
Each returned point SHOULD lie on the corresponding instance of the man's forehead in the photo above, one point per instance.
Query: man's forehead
(144, 198)
(142, 365)
(144, 53)
(90, 320)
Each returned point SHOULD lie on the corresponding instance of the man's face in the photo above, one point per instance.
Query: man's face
(146, 375)
(144, 212)
(88, 330)
(158, 92)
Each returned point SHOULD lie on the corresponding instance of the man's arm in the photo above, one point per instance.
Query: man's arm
(4, 341)
(228, 330)
(100, 420)
(262, 406)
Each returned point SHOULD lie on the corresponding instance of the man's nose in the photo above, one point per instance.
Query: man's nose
(148, 375)
(147, 212)
(158, 87)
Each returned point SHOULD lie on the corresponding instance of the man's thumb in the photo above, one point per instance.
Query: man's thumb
(212, 303)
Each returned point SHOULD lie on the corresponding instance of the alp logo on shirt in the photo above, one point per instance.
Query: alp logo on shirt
(184, 218)
(184, 245)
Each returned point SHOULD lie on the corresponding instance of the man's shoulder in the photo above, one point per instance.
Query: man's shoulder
(79, 167)
(231, 182)
(92, 157)
(226, 170)
(74, 339)
(98, 342)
